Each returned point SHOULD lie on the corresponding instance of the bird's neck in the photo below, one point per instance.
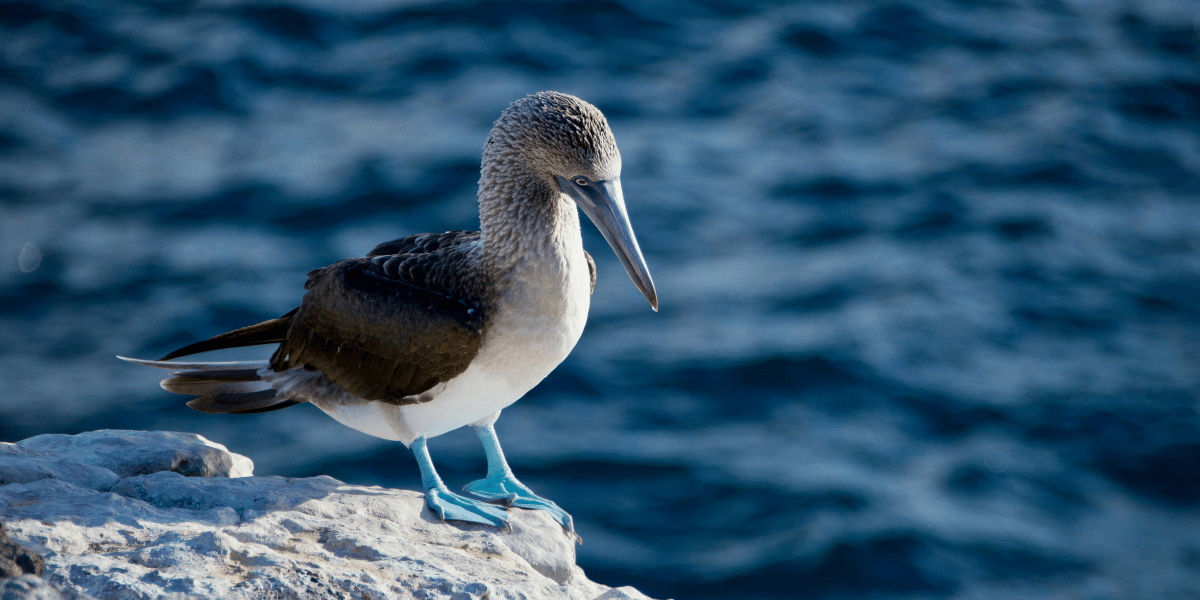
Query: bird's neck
(532, 253)
(526, 222)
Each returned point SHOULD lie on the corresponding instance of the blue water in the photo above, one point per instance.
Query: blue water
(929, 271)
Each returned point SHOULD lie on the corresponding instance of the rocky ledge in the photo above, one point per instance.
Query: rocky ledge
(151, 514)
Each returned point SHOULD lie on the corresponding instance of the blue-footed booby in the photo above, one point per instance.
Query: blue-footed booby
(432, 332)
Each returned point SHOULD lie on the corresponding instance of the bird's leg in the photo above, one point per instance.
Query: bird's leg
(447, 504)
(501, 484)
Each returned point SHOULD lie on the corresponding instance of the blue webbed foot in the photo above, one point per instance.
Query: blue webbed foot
(514, 493)
(447, 504)
(452, 507)
(500, 483)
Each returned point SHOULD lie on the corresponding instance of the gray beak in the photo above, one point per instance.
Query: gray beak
(604, 204)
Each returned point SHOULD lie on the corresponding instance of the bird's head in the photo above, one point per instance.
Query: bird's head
(569, 146)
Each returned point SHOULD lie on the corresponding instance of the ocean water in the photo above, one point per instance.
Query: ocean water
(929, 271)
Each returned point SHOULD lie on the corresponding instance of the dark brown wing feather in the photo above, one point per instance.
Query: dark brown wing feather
(424, 243)
(392, 325)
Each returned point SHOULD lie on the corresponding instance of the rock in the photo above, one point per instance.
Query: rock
(622, 593)
(19, 570)
(27, 587)
(128, 453)
(151, 530)
(18, 465)
(15, 559)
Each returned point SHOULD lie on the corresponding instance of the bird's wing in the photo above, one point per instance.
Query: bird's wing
(424, 243)
(390, 326)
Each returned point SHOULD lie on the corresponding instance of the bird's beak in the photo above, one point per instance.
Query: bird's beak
(604, 204)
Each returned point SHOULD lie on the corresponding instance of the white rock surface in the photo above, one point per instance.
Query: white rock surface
(28, 587)
(115, 517)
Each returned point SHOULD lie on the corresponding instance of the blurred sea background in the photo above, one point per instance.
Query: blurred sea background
(929, 271)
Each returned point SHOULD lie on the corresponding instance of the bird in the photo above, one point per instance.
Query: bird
(437, 331)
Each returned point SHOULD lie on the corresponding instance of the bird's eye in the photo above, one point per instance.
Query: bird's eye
(581, 181)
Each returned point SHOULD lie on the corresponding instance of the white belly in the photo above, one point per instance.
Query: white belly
(470, 397)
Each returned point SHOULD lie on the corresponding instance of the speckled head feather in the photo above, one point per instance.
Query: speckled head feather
(554, 134)
(537, 138)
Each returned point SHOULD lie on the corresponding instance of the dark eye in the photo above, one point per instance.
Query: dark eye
(581, 181)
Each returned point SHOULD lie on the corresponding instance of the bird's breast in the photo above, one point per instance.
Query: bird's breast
(538, 317)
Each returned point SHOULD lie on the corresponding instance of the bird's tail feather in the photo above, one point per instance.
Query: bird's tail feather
(198, 366)
(222, 387)
(243, 404)
(267, 332)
